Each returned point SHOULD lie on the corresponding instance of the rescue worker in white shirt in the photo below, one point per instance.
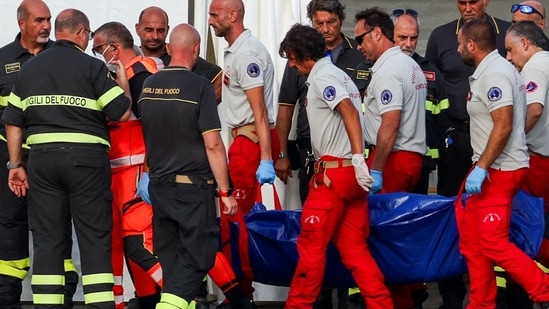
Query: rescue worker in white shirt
(497, 108)
(527, 47)
(394, 115)
(114, 42)
(248, 99)
(337, 206)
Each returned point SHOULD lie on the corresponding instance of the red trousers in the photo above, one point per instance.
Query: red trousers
(536, 183)
(338, 213)
(483, 227)
(244, 157)
(124, 186)
(401, 174)
(401, 171)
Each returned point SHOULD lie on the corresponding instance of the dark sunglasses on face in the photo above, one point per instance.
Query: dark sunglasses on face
(400, 12)
(524, 8)
(360, 38)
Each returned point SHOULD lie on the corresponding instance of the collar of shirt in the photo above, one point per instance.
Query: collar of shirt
(238, 42)
(385, 56)
(316, 67)
(19, 51)
(485, 63)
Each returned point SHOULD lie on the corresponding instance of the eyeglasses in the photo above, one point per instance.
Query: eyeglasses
(95, 50)
(360, 38)
(526, 9)
(400, 12)
(87, 30)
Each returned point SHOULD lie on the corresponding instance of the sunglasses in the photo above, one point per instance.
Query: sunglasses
(360, 38)
(526, 9)
(400, 12)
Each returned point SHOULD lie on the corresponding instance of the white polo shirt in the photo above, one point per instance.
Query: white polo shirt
(495, 84)
(397, 83)
(328, 86)
(536, 78)
(247, 65)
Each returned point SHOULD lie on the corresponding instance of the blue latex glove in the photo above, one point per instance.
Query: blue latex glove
(475, 180)
(143, 188)
(378, 181)
(265, 172)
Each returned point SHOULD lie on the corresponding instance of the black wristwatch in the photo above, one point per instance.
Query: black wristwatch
(11, 166)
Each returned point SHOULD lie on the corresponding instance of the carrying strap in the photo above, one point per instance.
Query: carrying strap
(243, 236)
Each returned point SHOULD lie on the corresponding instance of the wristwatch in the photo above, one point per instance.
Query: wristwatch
(11, 166)
(282, 155)
(227, 193)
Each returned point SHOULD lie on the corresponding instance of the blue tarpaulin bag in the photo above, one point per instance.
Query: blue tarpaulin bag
(413, 238)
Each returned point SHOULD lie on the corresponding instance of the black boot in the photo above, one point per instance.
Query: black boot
(324, 300)
(238, 299)
(71, 281)
(517, 298)
(10, 292)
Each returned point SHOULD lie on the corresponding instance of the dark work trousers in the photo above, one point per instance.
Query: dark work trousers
(453, 166)
(185, 235)
(70, 180)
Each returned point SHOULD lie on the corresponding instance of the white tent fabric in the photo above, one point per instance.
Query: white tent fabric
(268, 19)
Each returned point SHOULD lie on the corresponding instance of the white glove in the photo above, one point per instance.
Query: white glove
(362, 173)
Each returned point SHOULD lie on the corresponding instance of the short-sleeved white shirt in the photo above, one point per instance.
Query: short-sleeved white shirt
(495, 84)
(248, 65)
(397, 83)
(328, 86)
(536, 78)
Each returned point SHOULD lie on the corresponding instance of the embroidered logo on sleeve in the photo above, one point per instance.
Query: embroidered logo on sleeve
(386, 96)
(429, 75)
(253, 70)
(531, 86)
(329, 93)
(494, 94)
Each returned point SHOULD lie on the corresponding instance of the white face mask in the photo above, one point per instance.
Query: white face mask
(102, 56)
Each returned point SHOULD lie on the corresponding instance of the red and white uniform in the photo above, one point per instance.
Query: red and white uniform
(127, 157)
(398, 83)
(337, 211)
(536, 78)
(484, 223)
(248, 65)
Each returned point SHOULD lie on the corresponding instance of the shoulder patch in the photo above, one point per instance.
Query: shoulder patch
(386, 96)
(429, 75)
(253, 69)
(531, 86)
(362, 74)
(12, 67)
(494, 94)
(329, 93)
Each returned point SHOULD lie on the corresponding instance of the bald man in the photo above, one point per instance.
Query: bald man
(529, 10)
(34, 20)
(152, 29)
(182, 174)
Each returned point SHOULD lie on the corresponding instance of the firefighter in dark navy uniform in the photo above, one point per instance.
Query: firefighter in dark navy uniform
(33, 17)
(64, 113)
(184, 159)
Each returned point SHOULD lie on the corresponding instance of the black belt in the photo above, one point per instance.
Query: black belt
(460, 125)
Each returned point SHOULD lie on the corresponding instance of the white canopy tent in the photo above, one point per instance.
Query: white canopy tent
(268, 19)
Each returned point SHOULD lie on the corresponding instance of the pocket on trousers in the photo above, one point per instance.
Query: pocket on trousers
(315, 215)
